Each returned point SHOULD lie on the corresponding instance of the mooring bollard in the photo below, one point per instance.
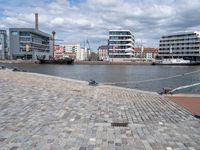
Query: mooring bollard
(15, 69)
(93, 82)
(3, 67)
(167, 90)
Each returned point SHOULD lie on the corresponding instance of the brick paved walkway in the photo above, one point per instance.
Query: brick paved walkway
(191, 103)
(40, 112)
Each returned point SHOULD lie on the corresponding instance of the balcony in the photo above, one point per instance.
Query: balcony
(182, 37)
(179, 55)
(117, 54)
(181, 46)
(129, 44)
(129, 39)
(180, 42)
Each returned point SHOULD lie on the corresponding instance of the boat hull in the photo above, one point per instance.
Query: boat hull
(64, 62)
(177, 61)
(178, 64)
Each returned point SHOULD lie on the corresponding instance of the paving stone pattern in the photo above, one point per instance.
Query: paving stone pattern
(47, 113)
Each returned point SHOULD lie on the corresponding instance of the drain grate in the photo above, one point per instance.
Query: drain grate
(119, 124)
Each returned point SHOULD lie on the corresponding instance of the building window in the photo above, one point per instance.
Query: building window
(14, 33)
(24, 33)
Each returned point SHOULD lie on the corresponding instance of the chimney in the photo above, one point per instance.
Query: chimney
(36, 21)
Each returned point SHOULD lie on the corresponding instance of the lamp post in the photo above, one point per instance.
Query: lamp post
(53, 33)
(27, 50)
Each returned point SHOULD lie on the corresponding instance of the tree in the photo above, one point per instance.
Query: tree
(93, 56)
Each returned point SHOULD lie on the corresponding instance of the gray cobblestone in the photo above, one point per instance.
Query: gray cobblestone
(43, 112)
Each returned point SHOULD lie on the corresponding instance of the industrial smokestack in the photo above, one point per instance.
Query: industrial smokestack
(36, 21)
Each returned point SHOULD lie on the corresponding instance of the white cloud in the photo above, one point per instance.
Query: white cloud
(91, 19)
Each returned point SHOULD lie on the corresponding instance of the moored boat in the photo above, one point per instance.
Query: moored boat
(176, 61)
(66, 61)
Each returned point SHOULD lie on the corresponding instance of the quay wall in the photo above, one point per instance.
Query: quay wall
(18, 61)
(112, 63)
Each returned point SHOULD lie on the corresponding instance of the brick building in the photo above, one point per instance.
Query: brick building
(148, 53)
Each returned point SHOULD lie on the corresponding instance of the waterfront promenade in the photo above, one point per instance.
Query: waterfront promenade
(45, 112)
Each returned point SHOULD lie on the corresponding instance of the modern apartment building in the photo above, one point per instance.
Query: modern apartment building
(30, 43)
(120, 44)
(71, 50)
(184, 45)
(3, 45)
(71, 47)
(103, 52)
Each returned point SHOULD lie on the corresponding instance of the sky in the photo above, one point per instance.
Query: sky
(76, 21)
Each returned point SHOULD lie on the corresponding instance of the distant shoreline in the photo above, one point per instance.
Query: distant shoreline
(79, 62)
(19, 61)
(112, 63)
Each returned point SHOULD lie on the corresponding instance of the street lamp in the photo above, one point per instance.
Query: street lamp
(53, 33)
(27, 50)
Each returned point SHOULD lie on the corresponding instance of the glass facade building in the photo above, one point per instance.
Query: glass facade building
(3, 45)
(28, 43)
(184, 45)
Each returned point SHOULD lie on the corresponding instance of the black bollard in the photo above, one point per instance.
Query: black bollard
(15, 69)
(3, 67)
(93, 83)
(167, 90)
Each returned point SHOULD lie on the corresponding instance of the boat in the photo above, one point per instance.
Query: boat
(177, 61)
(66, 61)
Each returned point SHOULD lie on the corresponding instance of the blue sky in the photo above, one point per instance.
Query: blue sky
(75, 2)
(79, 20)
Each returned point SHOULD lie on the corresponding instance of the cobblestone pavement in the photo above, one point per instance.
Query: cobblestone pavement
(41, 112)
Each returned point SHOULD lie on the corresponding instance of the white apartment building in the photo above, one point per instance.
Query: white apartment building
(71, 47)
(83, 54)
(184, 45)
(120, 44)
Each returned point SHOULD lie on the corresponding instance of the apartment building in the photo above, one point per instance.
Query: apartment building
(103, 52)
(147, 53)
(184, 45)
(30, 43)
(59, 52)
(71, 50)
(71, 47)
(83, 54)
(120, 44)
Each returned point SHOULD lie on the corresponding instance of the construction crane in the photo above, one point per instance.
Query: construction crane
(88, 44)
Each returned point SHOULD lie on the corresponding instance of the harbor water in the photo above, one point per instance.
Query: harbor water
(124, 75)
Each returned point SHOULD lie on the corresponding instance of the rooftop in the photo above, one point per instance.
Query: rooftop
(119, 30)
(31, 30)
(182, 33)
(146, 49)
(103, 47)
